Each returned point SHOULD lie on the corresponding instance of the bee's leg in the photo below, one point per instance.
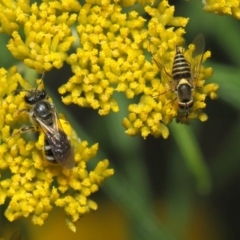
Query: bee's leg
(53, 106)
(16, 91)
(25, 129)
(186, 109)
(22, 130)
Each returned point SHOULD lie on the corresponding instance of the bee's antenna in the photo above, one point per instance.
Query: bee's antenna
(43, 74)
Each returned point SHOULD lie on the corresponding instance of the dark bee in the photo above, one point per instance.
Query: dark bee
(184, 74)
(57, 146)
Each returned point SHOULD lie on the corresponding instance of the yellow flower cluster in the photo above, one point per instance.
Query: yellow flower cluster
(9, 15)
(223, 7)
(111, 52)
(33, 185)
(109, 58)
(48, 36)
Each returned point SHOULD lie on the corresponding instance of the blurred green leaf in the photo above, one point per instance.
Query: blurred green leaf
(192, 155)
(228, 79)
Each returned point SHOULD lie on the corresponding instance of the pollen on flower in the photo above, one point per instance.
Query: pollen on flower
(34, 186)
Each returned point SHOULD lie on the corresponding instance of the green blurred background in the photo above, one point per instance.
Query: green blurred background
(185, 187)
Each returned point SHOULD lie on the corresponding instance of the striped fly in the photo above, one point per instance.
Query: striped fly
(184, 75)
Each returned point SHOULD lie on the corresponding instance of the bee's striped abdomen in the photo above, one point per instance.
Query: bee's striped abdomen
(48, 152)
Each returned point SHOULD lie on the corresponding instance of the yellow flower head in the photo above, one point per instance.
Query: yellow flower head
(13, 14)
(48, 36)
(223, 7)
(32, 184)
(108, 59)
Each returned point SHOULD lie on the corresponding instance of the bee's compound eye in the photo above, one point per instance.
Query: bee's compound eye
(42, 94)
(28, 98)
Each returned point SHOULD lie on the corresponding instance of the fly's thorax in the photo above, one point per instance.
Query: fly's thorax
(184, 92)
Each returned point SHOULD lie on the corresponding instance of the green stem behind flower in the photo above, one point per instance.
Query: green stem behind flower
(192, 155)
(228, 79)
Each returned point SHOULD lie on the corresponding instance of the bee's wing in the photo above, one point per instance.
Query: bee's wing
(197, 57)
(16, 235)
(56, 124)
(61, 148)
(59, 144)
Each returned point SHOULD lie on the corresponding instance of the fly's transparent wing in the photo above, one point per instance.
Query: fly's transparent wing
(166, 76)
(197, 57)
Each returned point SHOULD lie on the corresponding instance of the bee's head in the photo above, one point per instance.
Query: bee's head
(34, 96)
